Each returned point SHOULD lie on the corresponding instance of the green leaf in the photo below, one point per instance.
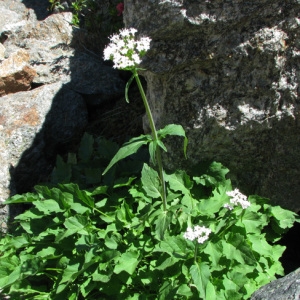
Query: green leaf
(179, 181)
(70, 273)
(24, 198)
(163, 263)
(214, 251)
(150, 181)
(253, 222)
(84, 197)
(162, 223)
(100, 190)
(260, 245)
(214, 203)
(200, 274)
(166, 290)
(105, 148)
(231, 253)
(74, 225)
(127, 262)
(121, 182)
(284, 218)
(13, 277)
(238, 278)
(162, 145)
(85, 150)
(124, 213)
(128, 148)
(214, 175)
(112, 240)
(210, 291)
(18, 242)
(184, 290)
(48, 206)
(76, 222)
(173, 129)
(92, 175)
(175, 245)
(62, 171)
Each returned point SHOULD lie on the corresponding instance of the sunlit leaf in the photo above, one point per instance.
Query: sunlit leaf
(128, 149)
(173, 129)
(200, 274)
(127, 262)
(150, 181)
(162, 223)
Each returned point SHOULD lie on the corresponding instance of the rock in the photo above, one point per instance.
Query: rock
(228, 72)
(15, 73)
(11, 20)
(48, 43)
(2, 52)
(98, 82)
(34, 127)
(57, 55)
(45, 121)
(286, 288)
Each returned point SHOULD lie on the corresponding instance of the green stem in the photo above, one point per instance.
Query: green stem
(155, 138)
(102, 213)
(54, 269)
(195, 253)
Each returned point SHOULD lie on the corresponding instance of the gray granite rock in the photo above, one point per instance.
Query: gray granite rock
(286, 288)
(228, 71)
(34, 127)
(66, 82)
(56, 53)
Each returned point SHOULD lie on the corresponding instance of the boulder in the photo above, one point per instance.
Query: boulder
(2, 52)
(228, 71)
(44, 56)
(57, 53)
(34, 127)
(286, 288)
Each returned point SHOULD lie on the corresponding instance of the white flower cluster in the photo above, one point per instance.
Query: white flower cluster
(125, 51)
(237, 198)
(200, 233)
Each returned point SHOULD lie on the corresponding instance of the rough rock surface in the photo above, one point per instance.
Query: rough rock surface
(286, 288)
(49, 119)
(34, 125)
(228, 71)
(15, 73)
(2, 50)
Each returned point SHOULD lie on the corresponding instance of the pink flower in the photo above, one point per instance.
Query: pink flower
(120, 8)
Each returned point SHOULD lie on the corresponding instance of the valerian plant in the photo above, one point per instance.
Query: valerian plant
(148, 235)
(126, 53)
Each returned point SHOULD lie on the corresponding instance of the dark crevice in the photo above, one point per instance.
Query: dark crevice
(291, 256)
(3, 38)
(35, 85)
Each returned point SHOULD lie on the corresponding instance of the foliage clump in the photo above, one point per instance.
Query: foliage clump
(110, 238)
(93, 15)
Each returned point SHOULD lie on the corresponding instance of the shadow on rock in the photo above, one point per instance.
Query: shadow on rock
(48, 117)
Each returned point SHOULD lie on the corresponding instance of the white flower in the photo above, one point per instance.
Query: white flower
(237, 198)
(125, 51)
(200, 233)
(189, 234)
(228, 206)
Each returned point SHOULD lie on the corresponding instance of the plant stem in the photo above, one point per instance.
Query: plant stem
(195, 253)
(102, 213)
(155, 139)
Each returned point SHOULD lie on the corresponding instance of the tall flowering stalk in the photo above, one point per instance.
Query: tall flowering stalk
(126, 52)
